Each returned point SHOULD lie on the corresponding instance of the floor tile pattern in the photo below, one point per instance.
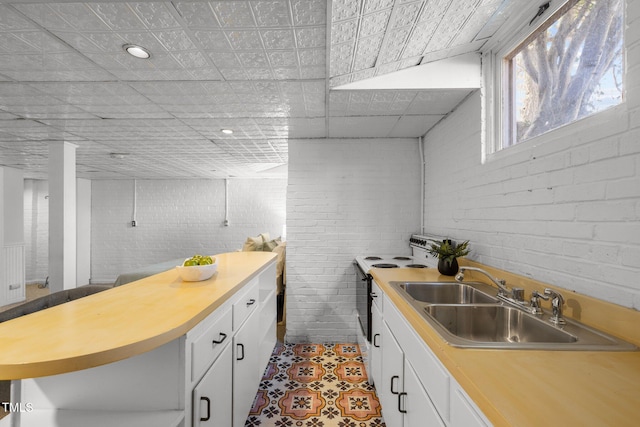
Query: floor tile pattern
(315, 385)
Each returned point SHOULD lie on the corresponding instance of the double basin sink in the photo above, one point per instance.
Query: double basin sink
(467, 315)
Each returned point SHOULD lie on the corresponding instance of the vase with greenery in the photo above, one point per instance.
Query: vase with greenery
(448, 254)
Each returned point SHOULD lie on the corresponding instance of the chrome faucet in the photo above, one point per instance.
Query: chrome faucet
(513, 296)
(501, 284)
(557, 301)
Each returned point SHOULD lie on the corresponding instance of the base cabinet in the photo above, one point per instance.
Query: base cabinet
(405, 403)
(376, 344)
(212, 402)
(246, 372)
(392, 383)
(415, 389)
(463, 411)
(415, 402)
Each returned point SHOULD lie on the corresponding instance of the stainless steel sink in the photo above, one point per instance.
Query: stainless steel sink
(446, 293)
(468, 315)
(496, 324)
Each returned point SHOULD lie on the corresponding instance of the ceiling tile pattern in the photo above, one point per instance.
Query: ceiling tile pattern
(259, 67)
(375, 37)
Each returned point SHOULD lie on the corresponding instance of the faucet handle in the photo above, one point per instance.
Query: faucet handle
(535, 301)
(557, 302)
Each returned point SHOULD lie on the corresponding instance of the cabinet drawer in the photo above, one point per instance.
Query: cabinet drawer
(245, 305)
(206, 347)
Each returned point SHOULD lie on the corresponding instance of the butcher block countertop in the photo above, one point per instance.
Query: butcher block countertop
(536, 388)
(121, 322)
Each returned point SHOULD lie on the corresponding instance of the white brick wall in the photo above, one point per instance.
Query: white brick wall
(563, 208)
(345, 198)
(177, 218)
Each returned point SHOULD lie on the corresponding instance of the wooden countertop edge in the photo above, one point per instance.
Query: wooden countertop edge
(19, 370)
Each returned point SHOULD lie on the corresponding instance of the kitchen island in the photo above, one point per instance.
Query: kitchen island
(532, 387)
(135, 354)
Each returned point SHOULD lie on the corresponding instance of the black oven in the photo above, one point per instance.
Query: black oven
(363, 300)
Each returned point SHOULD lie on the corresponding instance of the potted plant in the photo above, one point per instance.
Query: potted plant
(448, 254)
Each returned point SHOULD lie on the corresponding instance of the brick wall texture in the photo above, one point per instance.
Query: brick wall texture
(177, 218)
(563, 208)
(345, 198)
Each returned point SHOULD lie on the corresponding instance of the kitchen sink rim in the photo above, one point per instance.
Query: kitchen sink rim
(572, 327)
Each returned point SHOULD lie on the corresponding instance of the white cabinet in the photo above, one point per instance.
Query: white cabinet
(207, 346)
(434, 376)
(464, 412)
(235, 349)
(392, 378)
(405, 403)
(212, 403)
(268, 321)
(415, 402)
(246, 372)
(375, 363)
(415, 389)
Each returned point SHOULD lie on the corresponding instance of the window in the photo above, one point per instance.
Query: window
(570, 67)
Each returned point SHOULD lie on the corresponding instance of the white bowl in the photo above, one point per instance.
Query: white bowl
(196, 273)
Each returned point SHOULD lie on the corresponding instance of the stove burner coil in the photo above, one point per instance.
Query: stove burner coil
(417, 266)
(373, 258)
(402, 258)
(385, 265)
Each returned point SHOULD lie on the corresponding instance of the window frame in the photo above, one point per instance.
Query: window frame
(496, 77)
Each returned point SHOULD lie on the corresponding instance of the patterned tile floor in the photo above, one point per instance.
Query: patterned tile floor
(315, 385)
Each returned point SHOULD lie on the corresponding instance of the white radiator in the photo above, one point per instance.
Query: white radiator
(14, 268)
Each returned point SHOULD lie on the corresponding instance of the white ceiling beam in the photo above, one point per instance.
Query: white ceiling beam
(460, 72)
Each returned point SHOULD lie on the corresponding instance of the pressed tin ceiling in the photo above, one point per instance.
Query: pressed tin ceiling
(260, 68)
(374, 37)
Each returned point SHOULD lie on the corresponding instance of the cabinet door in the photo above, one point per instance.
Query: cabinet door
(376, 346)
(246, 372)
(415, 402)
(392, 378)
(464, 413)
(212, 396)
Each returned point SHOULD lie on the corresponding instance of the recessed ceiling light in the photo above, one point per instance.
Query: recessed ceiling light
(137, 51)
(226, 131)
